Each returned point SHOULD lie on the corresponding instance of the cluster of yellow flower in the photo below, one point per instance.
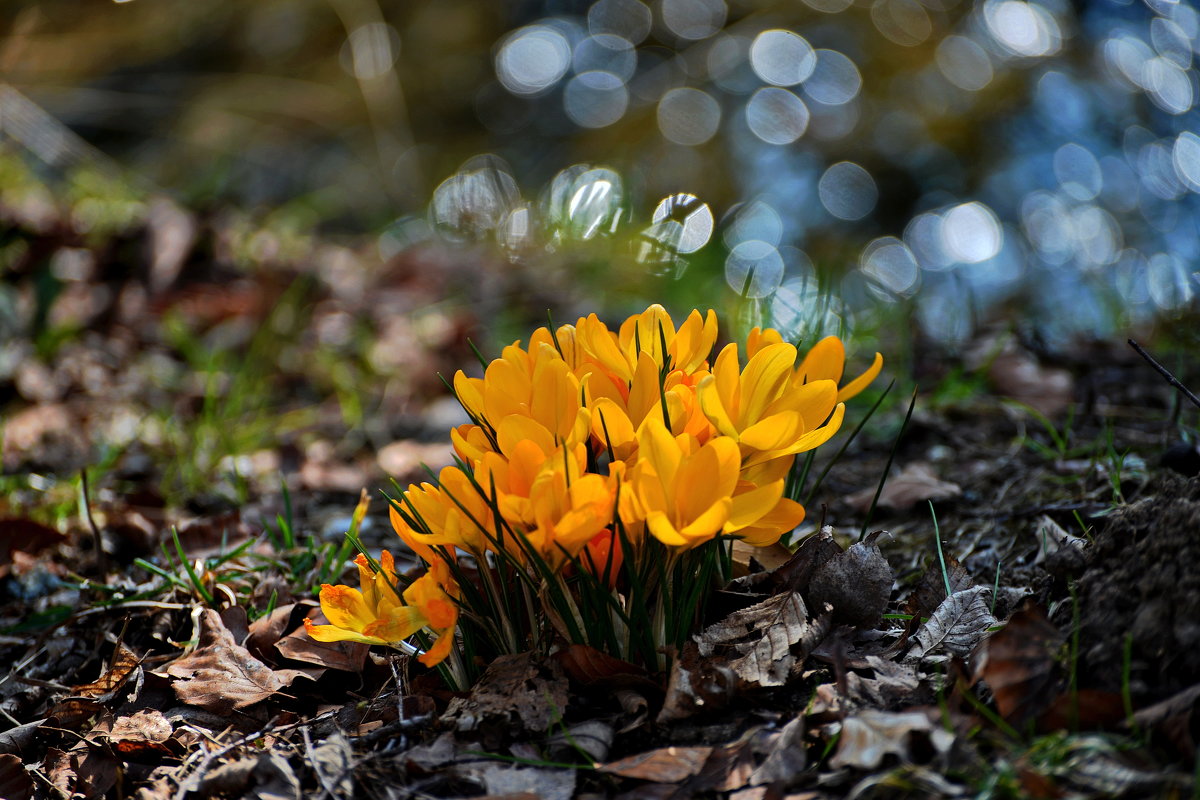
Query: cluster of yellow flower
(587, 430)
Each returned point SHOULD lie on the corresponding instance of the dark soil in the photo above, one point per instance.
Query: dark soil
(1142, 585)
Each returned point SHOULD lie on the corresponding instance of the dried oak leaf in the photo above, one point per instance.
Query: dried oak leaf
(957, 625)
(856, 583)
(1019, 664)
(221, 675)
(914, 484)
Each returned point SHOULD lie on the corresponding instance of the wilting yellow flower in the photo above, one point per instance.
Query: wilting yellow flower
(377, 614)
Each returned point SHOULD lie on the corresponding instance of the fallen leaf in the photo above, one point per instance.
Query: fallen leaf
(81, 771)
(746, 556)
(148, 725)
(1018, 375)
(1174, 717)
(915, 483)
(221, 675)
(25, 536)
(892, 685)
(786, 756)
(763, 635)
(957, 625)
(15, 782)
(1018, 664)
(868, 736)
(591, 667)
(344, 656)
(593, 737)
(931, 588)
(124, 661)
(509, 782)
(664, 765)
(516, 690)
(856, 583)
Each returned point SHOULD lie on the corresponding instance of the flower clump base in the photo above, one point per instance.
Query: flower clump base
(598, 490)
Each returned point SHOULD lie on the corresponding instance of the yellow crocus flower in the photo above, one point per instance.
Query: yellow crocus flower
(376, 614)
(762, 410)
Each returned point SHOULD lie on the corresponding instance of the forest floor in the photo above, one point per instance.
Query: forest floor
(185, 439)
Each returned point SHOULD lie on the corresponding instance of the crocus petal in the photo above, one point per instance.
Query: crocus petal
(752, 506)
(774, 432)
(825, 361)
(862, 381)
(345, 607)
(708, 524)
(714, 407)
(332, 633)
(441, 648)
(763, 379)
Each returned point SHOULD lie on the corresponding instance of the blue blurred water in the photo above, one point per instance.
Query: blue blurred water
(958, 156)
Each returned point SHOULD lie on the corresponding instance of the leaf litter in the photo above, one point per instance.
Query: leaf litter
(837, 670)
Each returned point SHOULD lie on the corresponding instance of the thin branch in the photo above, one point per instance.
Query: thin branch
(1171, 379)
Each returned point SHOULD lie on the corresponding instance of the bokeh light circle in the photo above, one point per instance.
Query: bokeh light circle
(847, 191)
(533, 59)
(782, 57)
(776, 116)
(754, 268)
(688, 116)
(595, 99)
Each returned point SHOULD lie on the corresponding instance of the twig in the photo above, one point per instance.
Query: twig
(101, 558)
(1171, 379)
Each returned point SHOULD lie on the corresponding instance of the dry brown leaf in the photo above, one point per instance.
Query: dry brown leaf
(81, 771)
(915, 483)
(931, 588)
(1018, 664)
(957, 626)
(516, 690)
(24, 536)
(124, 662)
(591, 667)
(768, 558)
(1019, 376)
(510, 782)
(664, 765)
(868, 736)
(221, 675)
(148, 725)
(786, 756)
(856, 583)
(344, 656)
(15, 782)
(763, 636)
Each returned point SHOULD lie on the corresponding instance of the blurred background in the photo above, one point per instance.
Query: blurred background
(954, 156)
(374, 182)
